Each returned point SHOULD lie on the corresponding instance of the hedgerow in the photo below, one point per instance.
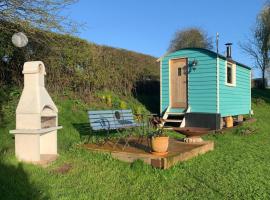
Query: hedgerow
(75, 64)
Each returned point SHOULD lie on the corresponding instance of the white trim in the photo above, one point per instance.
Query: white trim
(218, 106)
(233, 84)
(183, 123)
(169, 78)
(160, 85)
(159, 59)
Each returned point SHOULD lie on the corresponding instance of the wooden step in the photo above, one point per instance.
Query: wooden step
(168, 128)
(174, 113)
(172, 120)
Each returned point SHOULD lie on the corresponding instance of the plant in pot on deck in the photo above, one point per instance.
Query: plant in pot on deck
(159, 141)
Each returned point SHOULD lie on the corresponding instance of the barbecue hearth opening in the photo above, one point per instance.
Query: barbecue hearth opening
(48, 117)
(48, 122)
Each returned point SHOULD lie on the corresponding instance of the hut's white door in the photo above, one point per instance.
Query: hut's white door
(178, 83)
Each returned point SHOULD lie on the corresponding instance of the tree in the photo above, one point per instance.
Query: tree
(190, 37)
(258, 47)
(40, 14)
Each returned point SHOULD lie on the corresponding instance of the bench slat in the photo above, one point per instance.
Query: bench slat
(126, 111)
(99, 111)
(102, 115)
(108, 111)
(109, 114)
(112, 123)
(127, 117)
(110, 120)
(110, 117)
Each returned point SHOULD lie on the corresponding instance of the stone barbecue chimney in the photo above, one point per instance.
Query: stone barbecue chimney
(36, 118)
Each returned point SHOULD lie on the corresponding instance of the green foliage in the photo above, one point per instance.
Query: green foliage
(75, 64)
(139, 166)
(123, 105)
(108, 100)
(190, 37)
(139, 109)
(246, 130)
(158, 133)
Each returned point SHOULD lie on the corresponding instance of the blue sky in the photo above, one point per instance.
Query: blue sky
(147, 26)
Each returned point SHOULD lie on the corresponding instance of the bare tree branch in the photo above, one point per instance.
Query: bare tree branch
(258, 47)
(42, 14)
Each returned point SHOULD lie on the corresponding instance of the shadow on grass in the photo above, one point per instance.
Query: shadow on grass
(3, 100)
(86, 133)
(90, 136)
(15, 184)
(151, 102)
(84, 129)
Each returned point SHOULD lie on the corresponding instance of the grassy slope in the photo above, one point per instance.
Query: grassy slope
(238, 168)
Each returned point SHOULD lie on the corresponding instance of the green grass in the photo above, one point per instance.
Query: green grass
(238, 168)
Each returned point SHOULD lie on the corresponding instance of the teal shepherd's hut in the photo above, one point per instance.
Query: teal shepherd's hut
(199, 88)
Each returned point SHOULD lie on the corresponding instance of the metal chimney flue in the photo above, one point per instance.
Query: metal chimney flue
(229, 50)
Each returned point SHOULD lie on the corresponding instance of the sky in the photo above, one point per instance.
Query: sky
(147, 26)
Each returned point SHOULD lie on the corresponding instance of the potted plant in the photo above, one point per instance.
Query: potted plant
(159, 142)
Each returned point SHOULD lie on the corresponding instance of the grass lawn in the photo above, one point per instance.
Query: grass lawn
(238, 168)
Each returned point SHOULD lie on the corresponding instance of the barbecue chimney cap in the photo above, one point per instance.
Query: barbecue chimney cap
(229, 50)
(228, 44)
(34, 67)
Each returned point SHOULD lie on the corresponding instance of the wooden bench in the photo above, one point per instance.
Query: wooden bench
(108, 120)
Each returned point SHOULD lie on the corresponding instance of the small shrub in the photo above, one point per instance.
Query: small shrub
(259, 101)
(139, 110)
(15, 93)
(108, 99)
(246, 130)
(123, 105)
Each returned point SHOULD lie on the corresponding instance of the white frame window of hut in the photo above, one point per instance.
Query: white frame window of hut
(230, 77)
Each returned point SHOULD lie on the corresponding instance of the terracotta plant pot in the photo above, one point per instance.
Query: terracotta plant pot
(160, 145)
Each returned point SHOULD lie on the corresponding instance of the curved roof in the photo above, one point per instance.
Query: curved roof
(210, 52)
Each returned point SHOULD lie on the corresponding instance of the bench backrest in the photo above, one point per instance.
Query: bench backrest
(111, 119)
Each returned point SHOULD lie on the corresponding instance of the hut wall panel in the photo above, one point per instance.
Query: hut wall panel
(235, 100)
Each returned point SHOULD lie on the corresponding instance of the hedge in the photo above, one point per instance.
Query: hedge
(75, 64)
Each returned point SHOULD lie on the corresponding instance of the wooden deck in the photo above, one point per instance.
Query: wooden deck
(178, 151)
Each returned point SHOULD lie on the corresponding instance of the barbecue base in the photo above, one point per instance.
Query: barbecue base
(30, 145)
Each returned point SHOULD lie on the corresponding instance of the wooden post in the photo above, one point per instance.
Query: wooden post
(240, 118)
(221, 123)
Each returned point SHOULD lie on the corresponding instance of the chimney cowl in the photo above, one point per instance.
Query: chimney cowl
(34, 67)
(229, 50)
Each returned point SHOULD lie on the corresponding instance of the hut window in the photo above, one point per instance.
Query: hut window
(179, 71)
(230, 74)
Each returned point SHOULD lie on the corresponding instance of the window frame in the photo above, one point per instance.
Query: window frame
(233, 72)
